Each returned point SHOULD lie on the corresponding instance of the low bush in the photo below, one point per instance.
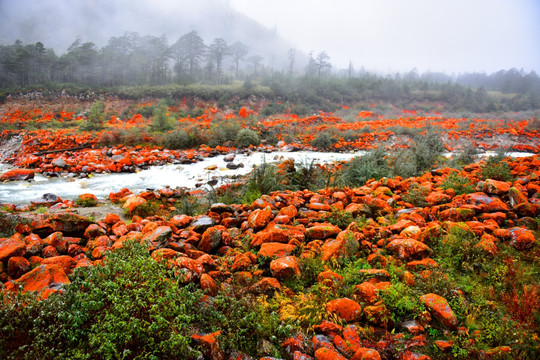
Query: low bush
(373, 165)
(247, 137)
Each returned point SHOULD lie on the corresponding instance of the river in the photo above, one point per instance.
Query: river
(155, 177)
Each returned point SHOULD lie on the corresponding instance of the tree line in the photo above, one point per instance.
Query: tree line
(135, 60)
(132, 59)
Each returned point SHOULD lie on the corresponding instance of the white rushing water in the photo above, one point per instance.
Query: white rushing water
(156, 177)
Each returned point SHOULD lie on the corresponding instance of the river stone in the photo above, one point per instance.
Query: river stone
(59, 162)
(202, 223)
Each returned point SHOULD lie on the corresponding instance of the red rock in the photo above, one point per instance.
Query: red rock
(34, 244)
(120, 229)
(328, 328)
(164, 254)
(13, 246)
(17, 174)
(342, 346)
(186, 263)
(209, 285)
(369, 291)
(43, 277)
(444, 345)
(56, 239)
(329, 278)
(17, 266)
(357, 209)
(527, 209)
(159, 237)
(366, 354)
(289, 211)
(297, 355)
(408, 248)
(457, 214)
(212, 238)
(494, 187)
(94, 230)
(522, 239)
(67, 263)
(319, 207)
(347, 309)
(488, 243)
(437, 198)
(268, 236)
(266, 286)
(498, 217)
(285, 267)
(427, 263)
(412, 232)
(328, 354)
(485, 203)
(181, 221)
(350, 335)
(438, 306)
(321, 232)
(133, 202)
(376, 260)
(99, 252)
(400, 225)
(259, 218)
(321, 341)
(275, 250)
(49, 251)
(115, 197)
(88, 198)
(516, 197)
(413, 327)
(111, 219)
(210, 345)
(344, 246)
(294, 344)
(241, 262)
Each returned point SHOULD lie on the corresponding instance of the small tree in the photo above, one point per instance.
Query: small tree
(247, 137)
(96, 116)
(161, 120)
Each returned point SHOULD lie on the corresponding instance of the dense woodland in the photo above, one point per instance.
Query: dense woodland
(135, 60)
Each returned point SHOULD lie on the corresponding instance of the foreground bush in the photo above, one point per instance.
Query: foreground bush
(131, 307)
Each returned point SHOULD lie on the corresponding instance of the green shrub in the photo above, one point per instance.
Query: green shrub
(123, 309)
(460, 184)
(323, 141)
(176, 139)
(416, 195)
(263, 180)
(466, 156)
(247, 137)
(161, 121)
(96, 116)
(497, 168)
(223, 132)
(427, 149)
(372, 165)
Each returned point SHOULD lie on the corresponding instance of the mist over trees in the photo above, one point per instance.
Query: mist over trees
(133, 60)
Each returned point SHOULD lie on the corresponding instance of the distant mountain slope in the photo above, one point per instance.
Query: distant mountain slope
(57, 23)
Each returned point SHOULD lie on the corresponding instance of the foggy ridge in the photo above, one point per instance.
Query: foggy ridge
(57, 23)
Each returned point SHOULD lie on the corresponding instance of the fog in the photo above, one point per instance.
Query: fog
(383, 35)
(398, 35)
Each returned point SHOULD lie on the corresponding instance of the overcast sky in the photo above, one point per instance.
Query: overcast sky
(398, 35)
